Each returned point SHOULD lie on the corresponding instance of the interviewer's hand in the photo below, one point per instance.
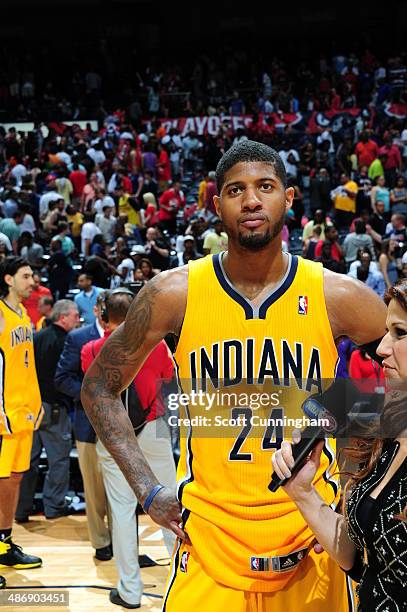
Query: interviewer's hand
(165, 510)
(318, 548)
(300, 484)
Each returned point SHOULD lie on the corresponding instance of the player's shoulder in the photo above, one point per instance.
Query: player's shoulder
(169, 283)
(163, 298)
(353, 308)
(343, 287)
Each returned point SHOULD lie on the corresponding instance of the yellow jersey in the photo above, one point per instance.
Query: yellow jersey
(343, 201)
(20, 400)
(201, 194)
(40, 324)
(231, 356)
(125, 208)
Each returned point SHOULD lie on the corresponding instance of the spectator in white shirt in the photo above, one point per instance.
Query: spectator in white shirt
(28, 224)
(106, 222)
(10, 204)
(30, 250)
(290, 159)
(114, 179)
(6, 241)
(326, 135)
(18, 171)
(89, 231)
(51, 195)
(191, 146)
(102, 201)
(96, 154)
(64, 157)
(125, 269)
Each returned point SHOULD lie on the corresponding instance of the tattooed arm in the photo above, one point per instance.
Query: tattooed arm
(158, 310)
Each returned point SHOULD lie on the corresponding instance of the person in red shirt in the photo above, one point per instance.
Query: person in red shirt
(363, 366)
(170, 202)
(31, 303)
(393, 163)
(163, 167)
(78, 179)
(157, 369)
(126, 183)
(153, 438)
(367, 372)
(331, 234)
(335, 100)
(366, 150)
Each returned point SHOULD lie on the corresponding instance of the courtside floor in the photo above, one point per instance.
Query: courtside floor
(68, 563)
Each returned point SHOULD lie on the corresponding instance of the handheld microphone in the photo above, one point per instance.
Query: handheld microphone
(331, 409)
(310, 437)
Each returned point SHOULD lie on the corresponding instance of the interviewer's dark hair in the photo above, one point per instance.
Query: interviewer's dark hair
(10, 265)
(397, 292)
(249, 151)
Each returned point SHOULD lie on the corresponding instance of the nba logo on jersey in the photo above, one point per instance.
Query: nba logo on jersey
(255, 563)
(259, 564)
(184, 562)
(302, 304)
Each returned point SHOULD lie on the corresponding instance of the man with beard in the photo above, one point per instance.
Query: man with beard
(255, 314)
(20, 407)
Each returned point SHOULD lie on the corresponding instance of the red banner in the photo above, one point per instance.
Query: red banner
(311, 122)
(213, 124)
(396, 110)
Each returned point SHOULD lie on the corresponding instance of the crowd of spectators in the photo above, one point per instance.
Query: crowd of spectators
(226, 81)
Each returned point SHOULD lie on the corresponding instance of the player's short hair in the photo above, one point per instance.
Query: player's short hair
(10, 265)
(249, 151)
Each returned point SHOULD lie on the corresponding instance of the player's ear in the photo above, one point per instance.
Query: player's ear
(216, 201)
(289, 197)
(8, 279)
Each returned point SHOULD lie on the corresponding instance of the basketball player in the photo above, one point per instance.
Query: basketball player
(20, 407)
(239, 545)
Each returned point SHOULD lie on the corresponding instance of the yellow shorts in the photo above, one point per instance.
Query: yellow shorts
(15, 452)
(319, 585)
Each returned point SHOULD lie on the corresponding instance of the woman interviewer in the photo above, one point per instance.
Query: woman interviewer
(370, 540)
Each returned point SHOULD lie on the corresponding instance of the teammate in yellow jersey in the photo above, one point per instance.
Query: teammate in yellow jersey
(20, 401)
(251, 314)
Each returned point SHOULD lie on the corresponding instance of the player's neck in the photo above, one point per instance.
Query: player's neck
(13, 300)
(260, 267)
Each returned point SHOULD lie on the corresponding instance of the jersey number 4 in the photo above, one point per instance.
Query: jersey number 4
(273, 435)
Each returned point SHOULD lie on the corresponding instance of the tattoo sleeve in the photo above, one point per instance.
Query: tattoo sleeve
(111, 372)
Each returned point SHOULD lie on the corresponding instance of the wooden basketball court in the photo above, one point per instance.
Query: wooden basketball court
(68, 563)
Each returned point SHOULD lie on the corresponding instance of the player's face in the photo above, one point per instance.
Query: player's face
(22, 282)
(253, 204)
(393, 347)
